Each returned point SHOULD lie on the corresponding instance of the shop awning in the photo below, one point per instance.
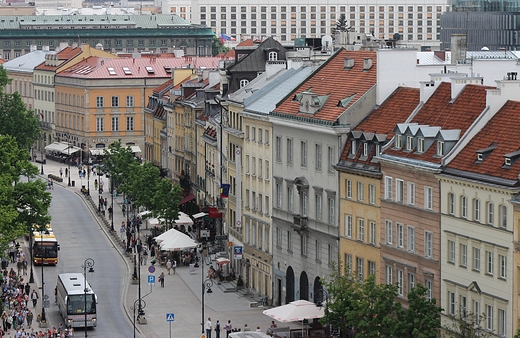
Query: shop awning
(187, 198)
(70, 150)
(56, 146)
(199, 215)
(135, 149)
(97, 151)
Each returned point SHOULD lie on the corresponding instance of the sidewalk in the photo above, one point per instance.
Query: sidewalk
(182, 292)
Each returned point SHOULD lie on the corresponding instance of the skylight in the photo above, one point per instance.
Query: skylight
(111, 71)
(127, 71)
(150, 70)
(168, 69)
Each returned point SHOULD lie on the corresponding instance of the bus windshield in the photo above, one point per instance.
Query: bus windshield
(76, 304)
(46, 249)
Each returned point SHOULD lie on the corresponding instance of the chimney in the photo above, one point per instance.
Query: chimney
(367, 63)
(348, 63)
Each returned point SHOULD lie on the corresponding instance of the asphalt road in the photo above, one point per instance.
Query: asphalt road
(80, 237)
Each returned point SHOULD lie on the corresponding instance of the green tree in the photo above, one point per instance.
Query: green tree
(422, 318)
(142, 184)
(15, 119)
(217, 47)
(165, 202)
(119, 162)
(22, 204)
(465, 325)
(341, 25)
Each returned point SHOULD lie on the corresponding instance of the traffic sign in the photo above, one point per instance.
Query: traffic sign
(46, 304)
(237, 252)
(151, 279)
(151, 269)
(170, 317)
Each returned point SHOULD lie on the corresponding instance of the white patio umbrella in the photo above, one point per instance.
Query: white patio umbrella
(174, 240)
(183, 219)
(296, 311)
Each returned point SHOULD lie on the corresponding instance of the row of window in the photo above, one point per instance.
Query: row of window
(488, 321)
(475, 257)
(405, 286)
(45, 115)
(360, 191)
(318, 154)
(254, 136)
(257, 234)
(400, 195)
(417, 144)
(44, 95)
(322, 9)
(360, 231)
(314, 16)
(476, 215)
(304, 203)
(251, 168)
(359, 269)
(20, 87)
(100, 101)
(304, 249)
(255, 202)
(118, 42)
(100, 123)
(398, 237)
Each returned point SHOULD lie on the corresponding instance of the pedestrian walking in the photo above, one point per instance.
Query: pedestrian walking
(208, 328)
(217, 329)
(29, 318)
(122, 231)
(66, 172)
(34, 298)
(174, 266)
(169, 266)
(95, 184)
(161, 279)
(228, 327)
(123, 208)
(145, 256)
(61, 172)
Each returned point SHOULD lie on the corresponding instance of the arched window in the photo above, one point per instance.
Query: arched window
(476, 210)
(464, 207)
(273, 56)
(503, 216)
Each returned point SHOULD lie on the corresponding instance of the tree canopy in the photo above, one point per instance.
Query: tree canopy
(217, 47)
(22, 204)
(15, 119)
(341, 25)
(373, 310)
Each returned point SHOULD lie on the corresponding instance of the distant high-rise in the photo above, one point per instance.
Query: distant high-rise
(491, 24)
(416, 22)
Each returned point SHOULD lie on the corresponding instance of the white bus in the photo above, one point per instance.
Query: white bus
(74, 300)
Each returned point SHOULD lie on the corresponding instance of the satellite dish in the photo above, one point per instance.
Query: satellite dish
(397, 36)
(484, 48)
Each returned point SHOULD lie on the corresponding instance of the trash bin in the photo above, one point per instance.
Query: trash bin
(73, 183)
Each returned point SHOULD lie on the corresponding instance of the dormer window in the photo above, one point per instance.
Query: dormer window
(398, 141)
(507, 161)
(353, 147)
(420, 145)
(272, 56)
(409, 143)
(365, 149)
(378, 149)
(440, 148)
(244, 83)
(480, 157)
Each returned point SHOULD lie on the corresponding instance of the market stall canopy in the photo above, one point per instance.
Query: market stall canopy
(56, 146)
(184, 219)
(296, 311)
(221, 261)
(174, 240)
(135, 149)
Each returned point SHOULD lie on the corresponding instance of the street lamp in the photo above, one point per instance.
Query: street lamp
(89, 263)
(42, 148)
(142, 305)
(43, 320)
(31, 276)
(68, 156)
(206, 288)
(319, 303)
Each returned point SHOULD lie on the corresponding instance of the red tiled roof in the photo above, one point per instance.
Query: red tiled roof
(441, 111)
(248, 43)
(382, 120)
(162, 87)
(336, 82)
(2, 61)
(497, 130)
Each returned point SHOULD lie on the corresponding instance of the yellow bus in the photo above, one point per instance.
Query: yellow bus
(45, 247)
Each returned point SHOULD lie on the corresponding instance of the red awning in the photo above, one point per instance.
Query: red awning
(187, 198)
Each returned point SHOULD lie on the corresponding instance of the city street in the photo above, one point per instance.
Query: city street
(82, 234)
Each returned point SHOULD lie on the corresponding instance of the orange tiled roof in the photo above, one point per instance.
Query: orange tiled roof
(332, 79)
(441, 111)
(163, 86)
(497, 130)
(248, 43)
(382, 120)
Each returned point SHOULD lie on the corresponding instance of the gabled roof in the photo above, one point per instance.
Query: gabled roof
(498, 140)
(27, 62)
(378, 127)
(255, 61)
(64, 55)
(333, 82)
(449, 114)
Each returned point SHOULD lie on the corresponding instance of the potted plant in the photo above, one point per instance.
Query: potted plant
(240, 283)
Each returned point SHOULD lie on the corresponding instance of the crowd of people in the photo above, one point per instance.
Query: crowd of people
(17, 318)
(229, 328)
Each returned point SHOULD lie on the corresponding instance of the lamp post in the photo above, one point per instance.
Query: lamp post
(42, 149)
(112, 205)
(31, 276)
(99, 190)
(142, 305)
(68, 156)
(43, 320)
(206, 284)
(89, 263)
(319, 303)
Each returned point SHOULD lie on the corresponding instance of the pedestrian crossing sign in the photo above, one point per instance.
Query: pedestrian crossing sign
(170, 317)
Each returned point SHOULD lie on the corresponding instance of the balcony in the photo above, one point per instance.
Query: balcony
(300, 223)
